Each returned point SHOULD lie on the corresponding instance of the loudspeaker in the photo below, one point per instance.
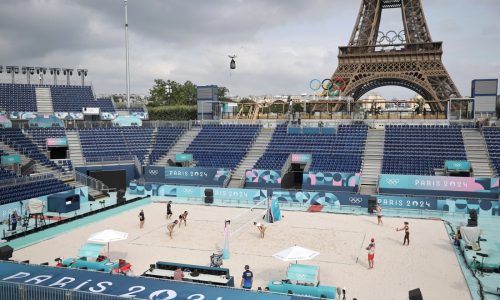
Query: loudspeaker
(6, 252)
(209, 192)
(372, 203)
(415, 294)
(120, 197)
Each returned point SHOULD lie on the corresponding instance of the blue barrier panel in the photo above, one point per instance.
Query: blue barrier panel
(331, 181)
(263, 178)
(194, 176)
(294, 130)
(46, 121)
(246, 195)
(311, 130)
(122, 286)
(127, 121)
(8, 160)
(457, 165)
(439, 186)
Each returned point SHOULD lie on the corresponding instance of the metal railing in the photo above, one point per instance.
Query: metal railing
(29, 168)
(91, 182)
(138, 165)
(228, 178)
(110, 160)
(25, 179)
(287, 165)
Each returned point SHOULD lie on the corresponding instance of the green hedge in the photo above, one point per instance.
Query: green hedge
(173, 113)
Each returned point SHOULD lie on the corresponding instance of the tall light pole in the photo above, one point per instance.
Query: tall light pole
(127, 72)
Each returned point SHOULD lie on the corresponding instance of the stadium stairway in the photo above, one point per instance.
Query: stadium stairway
(39, 169)
(477, 153)
(372, 161)
(44, 101)
(75, 148)
(256, 151)
(182, 144)
(154, 137)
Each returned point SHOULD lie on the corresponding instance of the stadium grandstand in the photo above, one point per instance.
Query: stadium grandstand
(97, 167)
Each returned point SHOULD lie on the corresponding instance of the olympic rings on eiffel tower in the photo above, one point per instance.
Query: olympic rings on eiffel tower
(339, 84)
(316, 86)
(390, 37)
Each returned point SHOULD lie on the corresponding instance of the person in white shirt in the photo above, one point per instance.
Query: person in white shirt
(371, 253)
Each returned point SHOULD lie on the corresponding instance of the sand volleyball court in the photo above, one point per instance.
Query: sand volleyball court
(429, 263)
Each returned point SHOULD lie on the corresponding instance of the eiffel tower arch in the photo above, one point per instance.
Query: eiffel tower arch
(409, 58)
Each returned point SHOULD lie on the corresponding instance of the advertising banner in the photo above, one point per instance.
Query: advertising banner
(140, 114)
(127, 121)
(46, 121)
(91, 111)
(4, 121)
(263, 178)
(457, 165)
(301, 158)
(439, 186)
(407, 202)
(190, 176)
(108, 116)
(57, 142)
(331, 181)
(182, 157)
(69, 115)
(12, 159)
(488, 207)
(121, 286)
(17, 115)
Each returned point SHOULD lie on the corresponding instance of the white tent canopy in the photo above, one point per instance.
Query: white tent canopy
(296, 253)
(107, 236)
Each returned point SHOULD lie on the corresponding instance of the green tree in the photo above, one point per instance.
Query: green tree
(222, 94)
(186, 94)
(158, 93)
(170, 92)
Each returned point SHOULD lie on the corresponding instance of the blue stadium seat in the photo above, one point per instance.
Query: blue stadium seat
(419, 149)
(341, 152)
(222, 146)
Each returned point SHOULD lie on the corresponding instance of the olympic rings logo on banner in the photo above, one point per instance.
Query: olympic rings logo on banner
(355, 200)
(153, 172)
(392, 181)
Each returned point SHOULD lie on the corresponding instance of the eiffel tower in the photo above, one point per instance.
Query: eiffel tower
(409, 58)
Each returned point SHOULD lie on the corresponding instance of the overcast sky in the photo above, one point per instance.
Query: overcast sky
(281, 45)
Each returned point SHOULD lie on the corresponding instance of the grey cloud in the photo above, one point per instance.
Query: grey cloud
(281, 45)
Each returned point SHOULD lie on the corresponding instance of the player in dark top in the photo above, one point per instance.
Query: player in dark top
(247, 278)
(141, 219)
(406, 228)
(169, 210)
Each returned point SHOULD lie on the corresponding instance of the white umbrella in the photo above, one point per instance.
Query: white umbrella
(296, 253)
(107, 236)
